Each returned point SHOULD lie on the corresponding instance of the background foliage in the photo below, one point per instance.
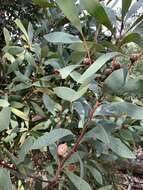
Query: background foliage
(70, 93)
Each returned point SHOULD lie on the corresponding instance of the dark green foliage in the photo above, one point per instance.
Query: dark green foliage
(70, 93)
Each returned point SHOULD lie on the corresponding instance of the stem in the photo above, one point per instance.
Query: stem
(86, 46)
(121, 29)
(60, 164)
(54, 182)
(8, 166)
(86, 126)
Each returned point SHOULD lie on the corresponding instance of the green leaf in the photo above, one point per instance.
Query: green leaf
(116, 81)
(133, 37)
(127, 135)
(137, 5)
(80, 46)
(139, 29)
(79, 108)
(75, 158)
(13, 50)
(64, 92)
(30, 32)
(69, 94)
(25, 149)
(21, 77)
(126, 108)
(61, 37)
(96, 66)
(5, 181)
(20, 114)
(75, 75)
(78, 182)
(22, 28)
(70, 11)
(49, 104)
(95, 8)
(125, 6)
(96, 174)
(38, 109)
(29, 58)
(43, 3)
(134, 86)
(137, 21)
(20, 87)
(4, 103)
(10, 58)
(79, 93)
(98, 133)
(7, 36)
(4, 118)
(50, 138)
(64, 72)
(121, 149)
(108, 187)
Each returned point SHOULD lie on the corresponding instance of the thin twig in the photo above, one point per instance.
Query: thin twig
(13, 168)
(55, 180)
(86, 47)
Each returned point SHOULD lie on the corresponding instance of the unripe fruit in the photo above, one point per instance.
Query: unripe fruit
(87, 61)
(62, 149)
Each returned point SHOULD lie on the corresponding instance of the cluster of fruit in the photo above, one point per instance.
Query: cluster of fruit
(115, 66)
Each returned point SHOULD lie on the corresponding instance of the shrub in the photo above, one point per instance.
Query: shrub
(71, 103)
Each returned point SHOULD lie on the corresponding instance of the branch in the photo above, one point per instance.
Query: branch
(55, 180)
(7, 165)
(13, 168)
(86, 47)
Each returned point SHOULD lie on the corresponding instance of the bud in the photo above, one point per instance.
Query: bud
(72, 167)
(116, 66)
(107, 72)
(62, 149)
(56, 72)
(134, 57)
(87, 61)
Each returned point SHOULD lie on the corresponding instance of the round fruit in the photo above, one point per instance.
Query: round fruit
(107, 72)
(72, 167)
(56, 72)
(134, 57)
(87, 61)
(62, 149)
(116, 66)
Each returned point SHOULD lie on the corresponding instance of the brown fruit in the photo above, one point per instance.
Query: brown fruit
(116, 66)
(87, 61)
(56, 72)
(72, 167)
(125, 126)
(134, 57)
(107, 72)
